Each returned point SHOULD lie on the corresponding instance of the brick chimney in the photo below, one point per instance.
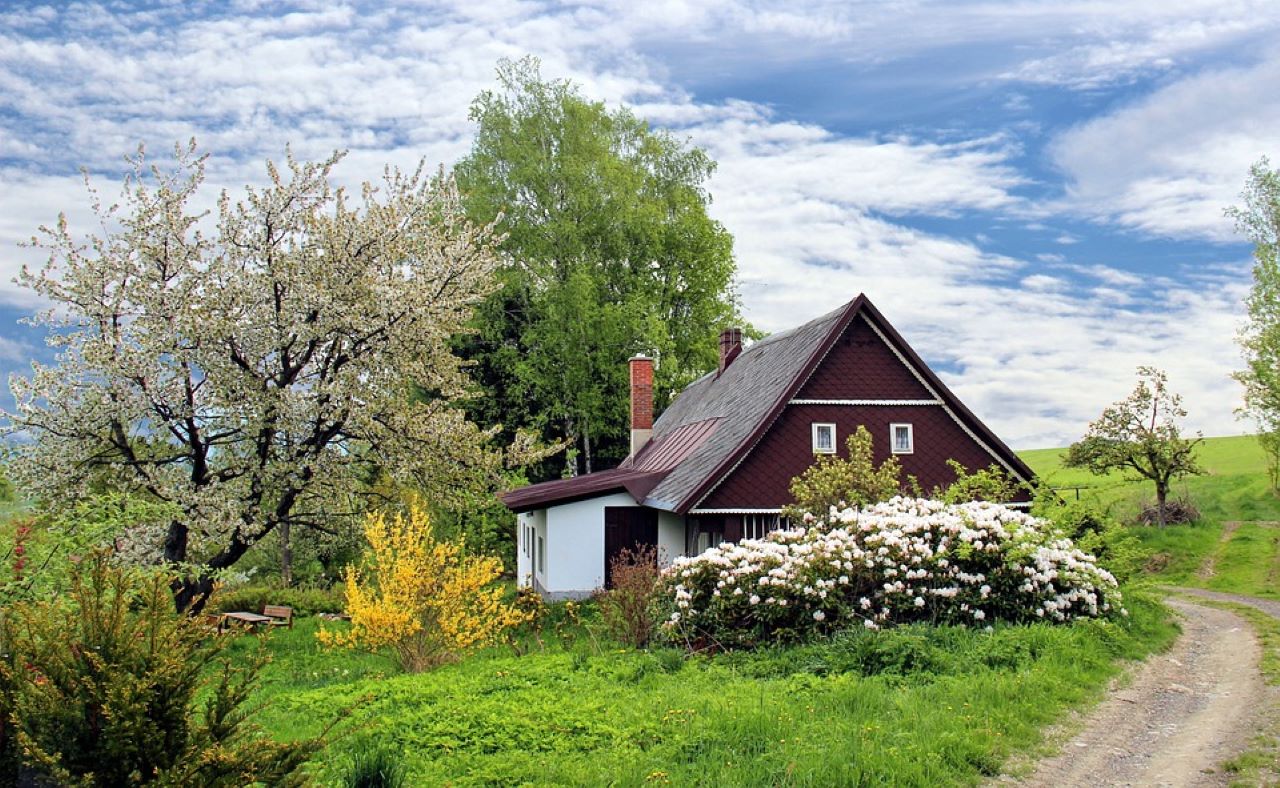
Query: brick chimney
(641, 401)
(730, 346)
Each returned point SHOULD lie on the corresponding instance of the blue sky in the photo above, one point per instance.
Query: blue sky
(1033, 192)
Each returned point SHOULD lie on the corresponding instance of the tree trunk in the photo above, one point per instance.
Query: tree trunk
(286, 555)
(586, 450)
(1162, 494)
(191, 594)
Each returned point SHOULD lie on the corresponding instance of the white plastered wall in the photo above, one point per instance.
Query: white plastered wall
(575, 546)
(527, 526)
(671, 539)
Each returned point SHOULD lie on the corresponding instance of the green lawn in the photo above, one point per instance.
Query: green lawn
(914, 706)
(1236, 488)
(911, 706)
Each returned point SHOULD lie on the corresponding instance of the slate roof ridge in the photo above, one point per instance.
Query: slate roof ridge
(744, 400)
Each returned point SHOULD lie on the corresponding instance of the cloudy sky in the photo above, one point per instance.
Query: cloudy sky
(1032, 192)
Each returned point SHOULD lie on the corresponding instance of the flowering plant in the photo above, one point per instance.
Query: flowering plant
(903, 560)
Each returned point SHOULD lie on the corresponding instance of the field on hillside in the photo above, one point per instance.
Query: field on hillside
(1236, 544)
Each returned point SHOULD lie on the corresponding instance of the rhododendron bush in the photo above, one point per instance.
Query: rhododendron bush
(896, 562)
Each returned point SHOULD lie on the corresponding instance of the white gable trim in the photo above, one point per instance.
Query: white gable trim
(734, 511)
(865, 402)
(945, 409)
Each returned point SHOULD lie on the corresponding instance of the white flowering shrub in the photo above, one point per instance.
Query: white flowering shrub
(896, 562)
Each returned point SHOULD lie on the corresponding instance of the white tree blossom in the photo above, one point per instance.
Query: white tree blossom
(258, 366)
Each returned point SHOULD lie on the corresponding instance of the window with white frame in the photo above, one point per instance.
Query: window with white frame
(824, 439)
(542, 556)
(901, 439)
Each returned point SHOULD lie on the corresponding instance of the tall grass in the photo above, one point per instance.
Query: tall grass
(914, 706)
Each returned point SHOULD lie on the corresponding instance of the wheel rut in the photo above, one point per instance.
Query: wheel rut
(1182, 714)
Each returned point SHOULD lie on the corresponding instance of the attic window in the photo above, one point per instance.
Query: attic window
(824, 439)
(900, 438)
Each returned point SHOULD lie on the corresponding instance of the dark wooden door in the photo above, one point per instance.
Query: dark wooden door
(626, 528)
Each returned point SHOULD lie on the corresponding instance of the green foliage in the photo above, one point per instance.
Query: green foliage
(611, 253)
(374, 767)
(860, 709)
(1259, 219)
(987, 484)
(1140, 435)
(834, 481)
(479, 518)
(1095, 532)
(304, 601)
(44, 546)
(101, 688)
(626, 609)
(8, 493)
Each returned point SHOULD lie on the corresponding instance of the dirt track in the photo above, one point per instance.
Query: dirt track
(1182, 714)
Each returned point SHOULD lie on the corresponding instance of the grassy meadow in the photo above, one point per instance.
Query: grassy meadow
(912, 706)
(909, 706)
(1234, 498)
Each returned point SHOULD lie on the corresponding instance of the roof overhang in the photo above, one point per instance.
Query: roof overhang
(638, 484)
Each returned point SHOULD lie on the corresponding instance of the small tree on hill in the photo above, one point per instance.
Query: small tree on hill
(835, 481)
(1140, 435)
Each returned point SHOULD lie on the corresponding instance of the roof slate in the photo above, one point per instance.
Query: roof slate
(717, 419)
(741, 397)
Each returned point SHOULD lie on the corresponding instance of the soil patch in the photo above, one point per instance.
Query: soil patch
(1181, 716)
(1209, 567)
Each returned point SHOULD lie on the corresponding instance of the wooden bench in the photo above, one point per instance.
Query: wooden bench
(280, 615)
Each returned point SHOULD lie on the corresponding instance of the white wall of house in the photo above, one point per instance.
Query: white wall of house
(671, 540)
(527, 526)
(575, 546)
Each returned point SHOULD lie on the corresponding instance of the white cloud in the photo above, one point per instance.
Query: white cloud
(1170, 163)
(817, 216)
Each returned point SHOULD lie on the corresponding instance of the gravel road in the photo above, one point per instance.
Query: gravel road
(1182, 714)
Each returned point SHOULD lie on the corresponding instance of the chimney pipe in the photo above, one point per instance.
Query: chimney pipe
(730, 346)
(641, 402)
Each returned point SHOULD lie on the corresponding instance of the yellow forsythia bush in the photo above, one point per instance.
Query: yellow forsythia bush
(421, 596)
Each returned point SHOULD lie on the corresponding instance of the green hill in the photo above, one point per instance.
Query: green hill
(1235, 546)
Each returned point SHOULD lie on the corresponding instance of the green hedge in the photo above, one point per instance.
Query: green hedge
(304, 601)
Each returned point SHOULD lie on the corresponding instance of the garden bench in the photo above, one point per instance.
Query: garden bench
(250, 621)
(280, 615)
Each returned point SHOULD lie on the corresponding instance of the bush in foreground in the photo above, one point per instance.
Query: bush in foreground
(421, 596)
(101, 688)
(897, 562)
(625, 608)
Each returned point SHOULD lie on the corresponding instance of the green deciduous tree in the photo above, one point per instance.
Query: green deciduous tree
(260, 369)
(610, 252)
(1140, 435)
(1259, 219)
(839, 482)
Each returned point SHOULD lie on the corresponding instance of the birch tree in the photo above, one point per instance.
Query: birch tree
(260, 365)
(1259, 339)
(610, 252)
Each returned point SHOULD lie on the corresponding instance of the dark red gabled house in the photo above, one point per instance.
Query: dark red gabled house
(718, 463)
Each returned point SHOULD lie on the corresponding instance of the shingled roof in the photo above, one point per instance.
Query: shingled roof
(713, 424)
